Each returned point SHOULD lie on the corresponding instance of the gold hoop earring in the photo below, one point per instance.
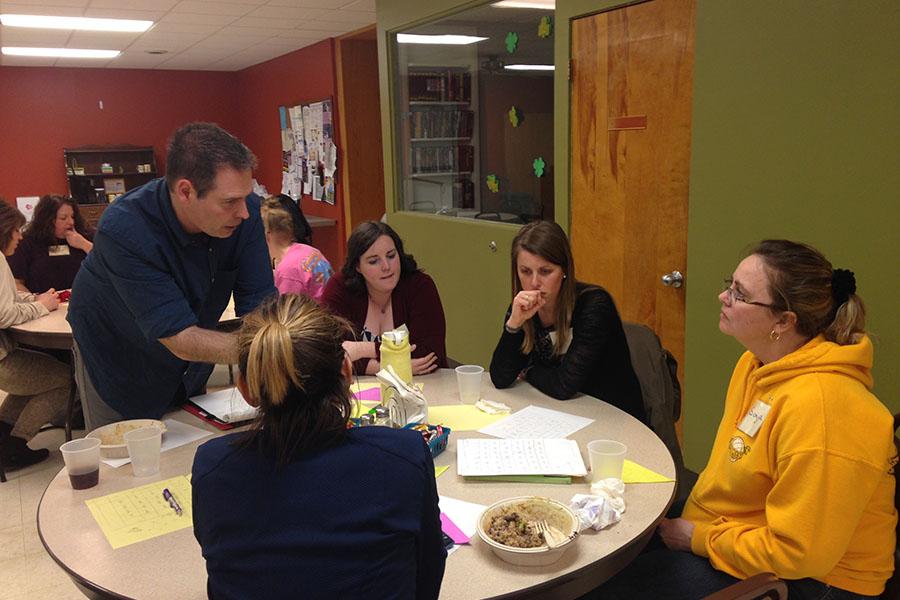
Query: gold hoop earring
(774, 336)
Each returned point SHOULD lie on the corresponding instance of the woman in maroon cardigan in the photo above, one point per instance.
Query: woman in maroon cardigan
(380, 287)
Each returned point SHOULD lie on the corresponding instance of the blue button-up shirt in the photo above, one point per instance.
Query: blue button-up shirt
(146, 279)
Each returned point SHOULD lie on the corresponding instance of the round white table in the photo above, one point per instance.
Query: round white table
(171, 566)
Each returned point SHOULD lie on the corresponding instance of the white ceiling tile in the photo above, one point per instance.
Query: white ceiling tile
(257, 32)
(124, 13)
(192, 18)
(340, 16)
(39, 3)
(262, 23)
(333, 27)
(16, 36)
(309, 3)
(368, 5)
(201, 7)
(300, 35)
(165, 28)
(227, 44)
(163, 5)
(87, 63)
(135, 59)
(104, 40)
(56, 11)
(26, 61)
(183, 61)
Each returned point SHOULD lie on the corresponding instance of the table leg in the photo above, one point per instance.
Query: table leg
(70, 407)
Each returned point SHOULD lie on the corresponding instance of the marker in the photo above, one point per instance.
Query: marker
(172, 501)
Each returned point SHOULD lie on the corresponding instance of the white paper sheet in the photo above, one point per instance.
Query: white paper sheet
(463, 514)
(480, 457)
(226, 405)
(533, 422)
(177, 434)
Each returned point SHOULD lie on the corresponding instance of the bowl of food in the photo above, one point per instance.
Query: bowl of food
(112, 436)
(510, 528)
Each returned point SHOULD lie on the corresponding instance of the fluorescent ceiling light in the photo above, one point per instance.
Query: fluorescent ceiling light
(458, 40)
(84, 23)
(539, 4)
(530, 67)
(59, 52)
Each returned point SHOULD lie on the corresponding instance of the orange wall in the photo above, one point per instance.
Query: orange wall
(301, 77)
(43, 110)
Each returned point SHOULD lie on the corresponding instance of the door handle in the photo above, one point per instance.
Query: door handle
(674, 279)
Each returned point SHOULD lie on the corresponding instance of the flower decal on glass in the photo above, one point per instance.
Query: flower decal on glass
(512, 41)
(545, 27)
(539, 166)
(493, 183)
(515, 116)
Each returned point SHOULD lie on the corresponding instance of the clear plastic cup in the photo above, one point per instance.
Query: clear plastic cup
(607, 459)
(468, 377)
(143, 448)
(82, 458)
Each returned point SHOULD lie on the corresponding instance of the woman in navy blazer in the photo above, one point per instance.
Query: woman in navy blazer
(300, 506)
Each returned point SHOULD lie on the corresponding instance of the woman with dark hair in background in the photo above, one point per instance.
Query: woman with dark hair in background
(299, 268)
(55, 243)
(561, 335)
(380, 287)
(37, 385)
(300, 505)
(800, 480)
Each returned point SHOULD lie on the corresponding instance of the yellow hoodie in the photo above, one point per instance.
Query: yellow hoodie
(811, 493)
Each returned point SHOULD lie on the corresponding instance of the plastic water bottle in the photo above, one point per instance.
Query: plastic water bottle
(395, 352)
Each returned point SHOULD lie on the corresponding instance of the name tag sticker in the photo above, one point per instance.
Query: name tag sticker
(754, 418)
(60, 250)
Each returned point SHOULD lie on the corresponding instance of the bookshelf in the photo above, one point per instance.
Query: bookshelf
(438, 143)
(99, 174)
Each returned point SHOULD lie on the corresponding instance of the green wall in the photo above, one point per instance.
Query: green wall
(795, 134)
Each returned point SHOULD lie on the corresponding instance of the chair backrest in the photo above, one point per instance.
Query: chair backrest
(762, 586)
(892, 588)
(656, 369)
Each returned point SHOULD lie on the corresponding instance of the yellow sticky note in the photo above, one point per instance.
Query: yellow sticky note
(461, 417)
(361, 408)
(439, 470)
(141, 513)
(635, 473)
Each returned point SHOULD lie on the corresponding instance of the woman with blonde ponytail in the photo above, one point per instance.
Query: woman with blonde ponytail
(299, 505)
(800, 480)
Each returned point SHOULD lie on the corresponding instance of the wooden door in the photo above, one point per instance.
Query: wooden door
(631, 86)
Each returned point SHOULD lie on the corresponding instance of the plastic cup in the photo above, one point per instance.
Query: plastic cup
(143, 449)
(82, 458)
(607, 458)
(468, 377)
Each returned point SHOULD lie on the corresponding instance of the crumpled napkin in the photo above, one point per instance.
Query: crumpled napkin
(491, 407)
(602, 507)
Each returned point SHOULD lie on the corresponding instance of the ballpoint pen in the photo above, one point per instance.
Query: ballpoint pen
(172, 501)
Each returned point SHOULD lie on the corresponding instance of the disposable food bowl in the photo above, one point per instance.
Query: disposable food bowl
(535, 508)
(112, 440)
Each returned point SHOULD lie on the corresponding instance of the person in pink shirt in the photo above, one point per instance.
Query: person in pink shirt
(299, 267)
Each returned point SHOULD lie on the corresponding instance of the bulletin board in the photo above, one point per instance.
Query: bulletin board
(309, 154)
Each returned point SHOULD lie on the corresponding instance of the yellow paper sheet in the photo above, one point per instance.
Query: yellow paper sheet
(461, 417)
(141, 513)
(635, 473)
(362, 407)
(439, 470)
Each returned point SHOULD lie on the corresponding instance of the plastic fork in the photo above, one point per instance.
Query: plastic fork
(553, 536)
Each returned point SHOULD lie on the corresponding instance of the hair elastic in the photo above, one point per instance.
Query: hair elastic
(843, 285)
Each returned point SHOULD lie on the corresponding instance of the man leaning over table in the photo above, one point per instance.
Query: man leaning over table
(167, 257)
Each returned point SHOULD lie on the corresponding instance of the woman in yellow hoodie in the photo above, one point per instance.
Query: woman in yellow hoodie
(800, 479)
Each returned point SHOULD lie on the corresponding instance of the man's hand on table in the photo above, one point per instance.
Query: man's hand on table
(676, 534)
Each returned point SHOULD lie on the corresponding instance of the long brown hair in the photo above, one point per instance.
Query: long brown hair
(43, 224)
(10, 220)
(801, 280)
(547, 240)
(291, 355)
(360, 240)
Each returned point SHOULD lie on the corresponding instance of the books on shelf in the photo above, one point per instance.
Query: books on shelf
(445, 158)
(430, 124)
(439, 85)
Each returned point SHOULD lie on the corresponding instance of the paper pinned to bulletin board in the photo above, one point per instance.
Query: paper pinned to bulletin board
(309, 154)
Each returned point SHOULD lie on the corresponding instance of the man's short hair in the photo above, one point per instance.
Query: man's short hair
(198, 150)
